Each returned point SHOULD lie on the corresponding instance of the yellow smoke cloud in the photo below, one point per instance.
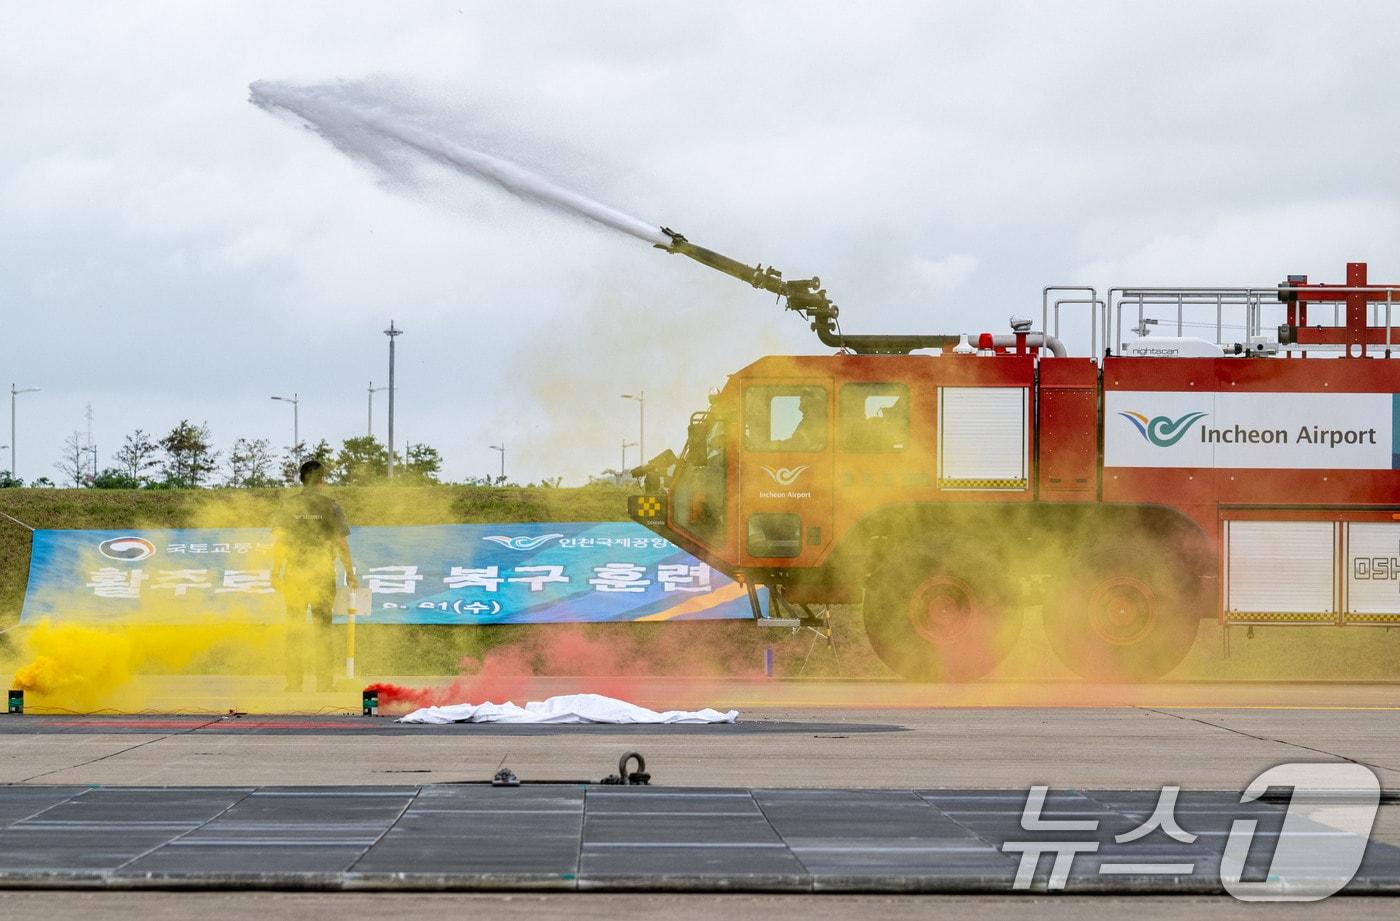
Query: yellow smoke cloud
(83, 668)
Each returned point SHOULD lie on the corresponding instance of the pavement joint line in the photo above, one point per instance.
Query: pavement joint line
(417, 791)
(159, 738)
(225, 811)
(963, 825)
(582, 834)
(1259, 738)
(758, 804)
(67, 799)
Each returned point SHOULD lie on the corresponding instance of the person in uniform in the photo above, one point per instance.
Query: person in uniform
(310, 535)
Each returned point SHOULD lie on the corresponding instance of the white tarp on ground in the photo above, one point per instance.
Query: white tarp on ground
(567, 708)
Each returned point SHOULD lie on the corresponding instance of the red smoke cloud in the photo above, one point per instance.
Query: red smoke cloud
(602, 659)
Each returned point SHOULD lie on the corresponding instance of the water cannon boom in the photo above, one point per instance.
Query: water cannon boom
(807, 297)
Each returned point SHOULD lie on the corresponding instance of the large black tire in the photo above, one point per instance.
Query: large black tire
(941, 618)
(1125, 613)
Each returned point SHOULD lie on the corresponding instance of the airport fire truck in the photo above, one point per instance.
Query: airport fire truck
(1249, 473)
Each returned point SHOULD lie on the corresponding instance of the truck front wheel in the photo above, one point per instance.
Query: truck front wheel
(940, 619)
(1124, 616)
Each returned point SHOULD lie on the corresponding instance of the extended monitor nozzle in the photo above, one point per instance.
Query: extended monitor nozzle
(805, 296)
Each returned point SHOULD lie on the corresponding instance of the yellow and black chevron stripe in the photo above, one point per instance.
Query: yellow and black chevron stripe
(1280, 617)
(944, 483)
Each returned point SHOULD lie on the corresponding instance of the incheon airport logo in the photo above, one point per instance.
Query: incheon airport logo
(522, 542)
(1163, 431)
(127, 549)
(785, 476)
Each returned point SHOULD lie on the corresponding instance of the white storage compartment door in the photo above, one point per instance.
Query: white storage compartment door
(1373, 569)
(982, 441)
(1281, 567)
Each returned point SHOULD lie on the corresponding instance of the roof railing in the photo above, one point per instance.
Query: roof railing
(1106, 321)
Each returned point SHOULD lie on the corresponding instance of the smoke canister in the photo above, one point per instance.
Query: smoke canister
(370, 702)
(16, 701)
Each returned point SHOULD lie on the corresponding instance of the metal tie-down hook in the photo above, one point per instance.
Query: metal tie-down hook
(639, 777)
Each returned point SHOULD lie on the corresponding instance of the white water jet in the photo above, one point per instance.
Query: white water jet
(368, 131)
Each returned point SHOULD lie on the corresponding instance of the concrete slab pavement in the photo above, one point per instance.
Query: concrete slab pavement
(1005, 747)
(642, 838)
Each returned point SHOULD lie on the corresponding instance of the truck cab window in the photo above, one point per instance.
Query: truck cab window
(785, 418)
(874, 417)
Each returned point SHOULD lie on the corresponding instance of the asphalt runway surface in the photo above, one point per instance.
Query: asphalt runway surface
(809, 734)
(920, 795)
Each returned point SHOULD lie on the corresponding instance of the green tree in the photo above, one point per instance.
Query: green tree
(189, 456)
(424, 464)
(251, 464)
(115, 478)
(361, 461)
(137, 457)
(9, 481)
(491, 480)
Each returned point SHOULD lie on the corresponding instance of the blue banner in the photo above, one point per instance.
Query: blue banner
(435, 574)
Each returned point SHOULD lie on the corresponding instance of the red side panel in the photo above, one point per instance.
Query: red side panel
(1069, 449)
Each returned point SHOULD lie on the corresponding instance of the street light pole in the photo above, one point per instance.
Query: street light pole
(295, 400)
(625, 445)
(393, 333)
(641, 397)
(369, 419)
(501, 448)
(14, 392)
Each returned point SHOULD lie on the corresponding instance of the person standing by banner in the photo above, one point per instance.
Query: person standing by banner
(309, 536)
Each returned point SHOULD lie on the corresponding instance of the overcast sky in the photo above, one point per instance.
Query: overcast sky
(169, 251)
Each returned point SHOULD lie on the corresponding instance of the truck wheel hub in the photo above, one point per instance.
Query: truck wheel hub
(1122, 611)
(943, 608)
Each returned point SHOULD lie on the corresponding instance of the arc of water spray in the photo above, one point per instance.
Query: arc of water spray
(343, 120)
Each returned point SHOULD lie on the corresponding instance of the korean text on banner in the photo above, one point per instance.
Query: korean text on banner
(438, 574)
